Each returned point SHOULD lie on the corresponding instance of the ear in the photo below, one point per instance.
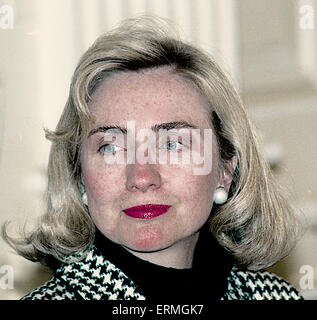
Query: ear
(81, 180)
(81, 185)
(227, 175)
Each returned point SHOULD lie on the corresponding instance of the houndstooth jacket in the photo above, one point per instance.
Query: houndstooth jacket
(96, 278)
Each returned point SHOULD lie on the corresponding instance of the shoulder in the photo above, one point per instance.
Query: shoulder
(91, 278)
(258, 285)
(53, 289)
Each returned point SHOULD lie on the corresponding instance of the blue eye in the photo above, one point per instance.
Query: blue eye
(109, 148)
(171, 145)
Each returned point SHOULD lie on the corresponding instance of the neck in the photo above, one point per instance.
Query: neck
(179, 255)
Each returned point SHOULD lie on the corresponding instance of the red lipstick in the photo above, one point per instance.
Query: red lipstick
(147, 211)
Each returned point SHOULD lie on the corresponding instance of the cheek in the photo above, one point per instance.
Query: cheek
(191, 187)
(198, 198)
(101, 182)
(103, 193)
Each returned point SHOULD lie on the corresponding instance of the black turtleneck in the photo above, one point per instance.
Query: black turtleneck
(206, 280)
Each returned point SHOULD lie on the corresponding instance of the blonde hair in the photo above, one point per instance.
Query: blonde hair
(256, 224)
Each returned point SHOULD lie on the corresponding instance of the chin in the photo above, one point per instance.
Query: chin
(147, 239)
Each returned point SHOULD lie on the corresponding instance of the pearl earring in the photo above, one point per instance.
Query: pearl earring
(83, 193)
(221, 195)
(84, 198)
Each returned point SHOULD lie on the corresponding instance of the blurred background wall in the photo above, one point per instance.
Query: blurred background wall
(268, 47)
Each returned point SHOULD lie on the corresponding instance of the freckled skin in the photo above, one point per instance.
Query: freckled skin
(148, 98)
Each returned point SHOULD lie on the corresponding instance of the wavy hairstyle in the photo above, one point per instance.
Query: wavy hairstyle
(256, 224)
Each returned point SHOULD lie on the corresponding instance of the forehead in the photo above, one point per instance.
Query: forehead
(148, 97)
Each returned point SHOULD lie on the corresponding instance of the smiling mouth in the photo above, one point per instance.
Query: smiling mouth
(148, 211)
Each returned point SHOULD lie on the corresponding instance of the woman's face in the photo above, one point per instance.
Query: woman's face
(147, 99)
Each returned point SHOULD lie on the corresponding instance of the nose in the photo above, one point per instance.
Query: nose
(141, 177)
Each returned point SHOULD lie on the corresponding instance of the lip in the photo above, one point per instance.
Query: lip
(147, 211)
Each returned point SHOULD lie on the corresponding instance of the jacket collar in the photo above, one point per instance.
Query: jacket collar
(107, 271)
(96, 278)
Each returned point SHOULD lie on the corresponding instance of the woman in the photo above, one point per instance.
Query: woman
(126, 218)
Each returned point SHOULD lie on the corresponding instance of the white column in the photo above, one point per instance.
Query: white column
(136, 7)
(58, 51)
(204, 24)
(112, 13)
(159, 7)
(306, 37)
(228, 37)
(181, 13)
(88, 21)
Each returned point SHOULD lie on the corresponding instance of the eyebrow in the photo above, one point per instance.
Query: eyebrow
(155, 128)
(105, 129)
